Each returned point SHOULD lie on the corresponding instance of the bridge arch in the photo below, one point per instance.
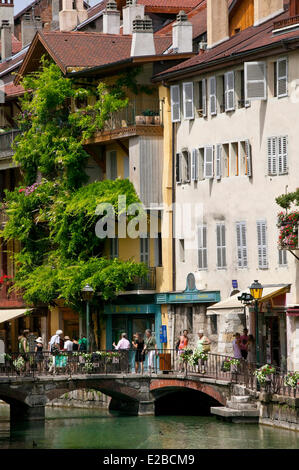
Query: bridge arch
(163, 387)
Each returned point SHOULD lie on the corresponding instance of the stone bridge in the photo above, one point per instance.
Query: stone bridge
(134, 394)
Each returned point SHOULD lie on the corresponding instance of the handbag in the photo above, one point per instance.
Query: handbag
(55, 349)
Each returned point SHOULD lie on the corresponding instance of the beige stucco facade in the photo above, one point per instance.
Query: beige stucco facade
(240, 198)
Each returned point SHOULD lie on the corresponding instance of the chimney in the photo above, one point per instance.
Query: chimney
(7, 11)
(69, 17)
(29, 26)
(217, 22)
(130, 12)
(111, 18)
(6, 42)
(294, 8)
(55, 14)
(81, 11)
(182, 34)
(266, 9)
(143, 37)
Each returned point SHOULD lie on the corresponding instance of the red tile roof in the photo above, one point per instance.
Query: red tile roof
(245, 42)
(16, 44)
(198, 18)
(12, 91)
(7, 65)
(84, 49)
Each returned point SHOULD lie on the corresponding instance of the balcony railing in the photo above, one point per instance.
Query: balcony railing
(286, 22)
(7, 138)
(134, 115)
(146, 283)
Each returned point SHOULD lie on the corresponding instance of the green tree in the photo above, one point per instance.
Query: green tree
(54, 218)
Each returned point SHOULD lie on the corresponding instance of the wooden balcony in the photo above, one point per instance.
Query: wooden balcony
(6, 141)
(129, 122)
(286, 22)
(148, 283)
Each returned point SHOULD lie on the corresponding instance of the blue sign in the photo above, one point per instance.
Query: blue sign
(163, 334)
(235, 284)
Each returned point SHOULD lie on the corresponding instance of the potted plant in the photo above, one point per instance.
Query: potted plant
(263, 374)
(292, 380)
(140, 120)
(149, 116)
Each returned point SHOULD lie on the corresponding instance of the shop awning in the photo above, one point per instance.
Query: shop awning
(11, 313)
(232, 305)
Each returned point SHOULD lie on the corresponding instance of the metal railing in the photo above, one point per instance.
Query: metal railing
(160, 361)
(144, 283)
(7, 138)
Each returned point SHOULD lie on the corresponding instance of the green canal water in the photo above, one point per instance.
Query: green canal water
(97, 429)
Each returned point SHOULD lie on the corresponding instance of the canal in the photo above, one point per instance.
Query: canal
(75, 428)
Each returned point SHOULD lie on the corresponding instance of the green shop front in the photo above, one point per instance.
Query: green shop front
(132, 314)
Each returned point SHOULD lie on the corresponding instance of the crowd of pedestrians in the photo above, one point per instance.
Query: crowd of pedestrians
(244, 347)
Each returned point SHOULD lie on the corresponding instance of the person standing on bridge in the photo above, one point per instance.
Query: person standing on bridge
(123, 346)
(150, 347)
(138, 345)
(183, 344)
(203, 346)
(54, 346)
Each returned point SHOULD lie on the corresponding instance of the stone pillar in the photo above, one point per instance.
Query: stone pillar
(20, 412)
(146, 408)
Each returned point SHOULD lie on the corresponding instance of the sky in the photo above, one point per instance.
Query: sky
(20, 4)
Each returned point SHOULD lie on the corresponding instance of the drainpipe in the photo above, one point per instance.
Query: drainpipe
(173, 212)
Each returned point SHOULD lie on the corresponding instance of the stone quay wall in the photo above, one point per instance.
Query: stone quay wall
(279, 411)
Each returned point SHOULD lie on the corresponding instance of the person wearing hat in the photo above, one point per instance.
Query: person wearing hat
(39, 357)
(203, 346)
(54, 347)
(68, 344)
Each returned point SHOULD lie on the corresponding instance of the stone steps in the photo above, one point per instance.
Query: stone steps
(241, 406)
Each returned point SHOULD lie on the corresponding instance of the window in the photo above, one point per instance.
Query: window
(202, 247)
(278, 155)
(175, 103)
(126, 167)
(209, 162)
(113, 248)
(234, 159)
(220, 92)
(221, 245)
(255, 81)
(241, 90)
(282, 258)
(281, 78)
(202, 92)
(262, 244)
(213, 324)
(188, 100)
(225, 160)
(241, 244)
(213, 99)
(229, 91)
(182, 250)
(111, 165)
(183, 167)
(194, 169)
(218, 161)
(178, 173)
(245, 158)
(144, 250)
(158, 250)
(189, 315)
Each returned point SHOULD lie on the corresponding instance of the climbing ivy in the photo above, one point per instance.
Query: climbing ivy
(53, 214)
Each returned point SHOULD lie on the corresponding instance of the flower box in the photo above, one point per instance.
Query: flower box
(288, 230)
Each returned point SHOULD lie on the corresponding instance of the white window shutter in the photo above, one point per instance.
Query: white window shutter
(209, 162)
(188, 169)
(202, 247)
(194, 173)
(219, 161)
(204, 97)
(272, 156)
(241, 244)
(282, 144)
(255, 81)
(221, 245)
(282, 77)
(229, 92)
(188, 100)
(248, 158)
(175, 103)
(178, 168)
(262, 244)
(213, 98)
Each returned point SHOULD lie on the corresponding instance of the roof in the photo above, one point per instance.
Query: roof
(244, 43)
(198, 18)
(12, 90)
(16, 44)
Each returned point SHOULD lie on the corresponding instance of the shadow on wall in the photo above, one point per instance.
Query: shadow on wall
(185, 403)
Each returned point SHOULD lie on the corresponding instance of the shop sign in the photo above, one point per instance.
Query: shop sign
(163, 334)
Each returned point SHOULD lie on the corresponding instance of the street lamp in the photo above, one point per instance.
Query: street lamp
(256, 290)
(87, 293)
